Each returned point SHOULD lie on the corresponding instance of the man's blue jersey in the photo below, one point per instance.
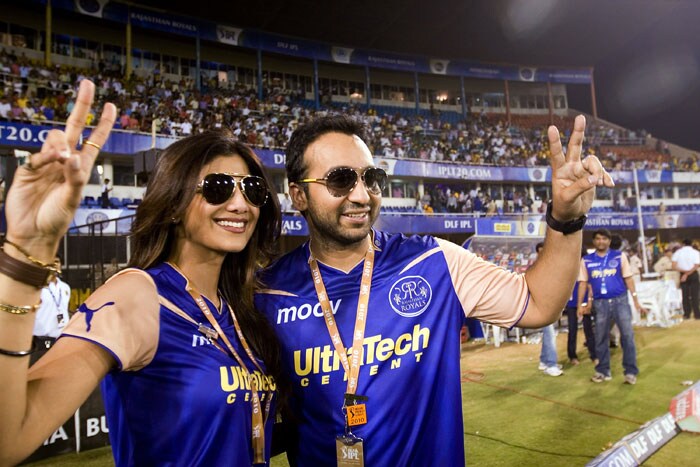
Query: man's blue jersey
(176, 399)
(573, 300)
(605, 273)
(421, 289)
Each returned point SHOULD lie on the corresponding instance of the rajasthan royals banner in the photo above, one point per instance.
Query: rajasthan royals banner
(515, 225)
(118, 221)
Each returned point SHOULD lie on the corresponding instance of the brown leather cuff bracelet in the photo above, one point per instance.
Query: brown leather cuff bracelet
(23, 272)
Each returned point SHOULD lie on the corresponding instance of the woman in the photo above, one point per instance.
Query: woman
(189, 367)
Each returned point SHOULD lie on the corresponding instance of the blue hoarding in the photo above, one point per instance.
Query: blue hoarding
(285, 45)
(30, 136)
(524, 225)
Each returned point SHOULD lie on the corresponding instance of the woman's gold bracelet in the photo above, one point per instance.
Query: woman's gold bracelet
(54, 267)
(19, 310)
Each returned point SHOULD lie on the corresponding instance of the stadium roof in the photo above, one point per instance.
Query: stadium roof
(645, 52)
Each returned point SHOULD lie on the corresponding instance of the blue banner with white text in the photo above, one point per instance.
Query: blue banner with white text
(24, 135)
(27, 136)
(297, 47)
(116, 221)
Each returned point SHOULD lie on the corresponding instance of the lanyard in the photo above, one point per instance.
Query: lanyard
(352, 368)
(602, 268)
(56, 302)
(258, 425)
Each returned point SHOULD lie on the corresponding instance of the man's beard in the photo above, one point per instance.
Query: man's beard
(329, 231)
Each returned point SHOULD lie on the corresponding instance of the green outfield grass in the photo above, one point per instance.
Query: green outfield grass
(516, 416)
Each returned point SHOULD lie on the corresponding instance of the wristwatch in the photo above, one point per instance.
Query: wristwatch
(564, 227)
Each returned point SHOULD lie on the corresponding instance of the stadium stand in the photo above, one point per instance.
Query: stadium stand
(263, 110)
(34, 93)
(162, 95)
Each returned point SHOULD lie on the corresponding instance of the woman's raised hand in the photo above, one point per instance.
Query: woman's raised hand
(46, 191)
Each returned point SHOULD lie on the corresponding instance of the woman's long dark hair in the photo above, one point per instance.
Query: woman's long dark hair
(170, 191)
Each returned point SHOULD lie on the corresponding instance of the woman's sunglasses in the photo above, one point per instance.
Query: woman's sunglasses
(217, 188)
(343, 180)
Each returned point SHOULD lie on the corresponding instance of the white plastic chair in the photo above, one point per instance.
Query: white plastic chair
(490, 329)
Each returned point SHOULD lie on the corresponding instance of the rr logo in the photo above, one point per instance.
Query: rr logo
(409, 290)
(410, 296)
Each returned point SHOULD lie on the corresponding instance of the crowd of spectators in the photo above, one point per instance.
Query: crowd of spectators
(31, 92)
(475, 141)
(445, 199)
(516, 255)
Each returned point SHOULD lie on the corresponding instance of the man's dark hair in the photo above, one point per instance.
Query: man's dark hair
(687, 242)
(602, 232)
(310, 132)
(615, 242)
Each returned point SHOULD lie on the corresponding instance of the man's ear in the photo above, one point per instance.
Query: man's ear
(298, 196)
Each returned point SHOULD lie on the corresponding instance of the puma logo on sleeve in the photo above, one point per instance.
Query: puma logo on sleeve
(89, 313)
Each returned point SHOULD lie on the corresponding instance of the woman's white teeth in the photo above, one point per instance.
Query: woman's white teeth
(236, 225)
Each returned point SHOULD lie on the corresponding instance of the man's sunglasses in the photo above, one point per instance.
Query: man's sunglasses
(343, 180)
(217, 188)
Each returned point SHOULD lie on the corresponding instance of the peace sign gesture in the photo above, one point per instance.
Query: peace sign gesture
(46, 191)
(574, 180)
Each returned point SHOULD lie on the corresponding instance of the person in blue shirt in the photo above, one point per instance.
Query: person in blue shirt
(369, 321)
(188, 367)
(610, 276)
(572, 311)
(548, 353)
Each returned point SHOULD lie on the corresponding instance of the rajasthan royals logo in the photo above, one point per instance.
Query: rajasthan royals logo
(537, 174)
(410, 296)
(613, 263)
(98, 218)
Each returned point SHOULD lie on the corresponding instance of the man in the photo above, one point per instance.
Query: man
(370, 321)
(572, 317)
(52, 316)
(635, 265)
(104, 197)
(664, 267)
(665, 263)
(609, 273)
(548, 354)
(286, 204)
(5, 108)
(686, 261)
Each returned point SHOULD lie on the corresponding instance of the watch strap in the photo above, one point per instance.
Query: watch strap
(566, 228)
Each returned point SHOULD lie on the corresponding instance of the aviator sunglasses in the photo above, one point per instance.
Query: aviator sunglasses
(217, 188)
(343, 180)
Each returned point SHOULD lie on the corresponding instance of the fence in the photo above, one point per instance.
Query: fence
(92, 253)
